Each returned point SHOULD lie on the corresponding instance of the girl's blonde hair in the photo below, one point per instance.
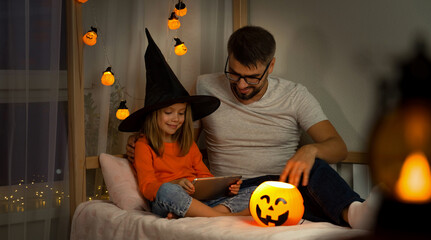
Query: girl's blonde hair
(183, 136)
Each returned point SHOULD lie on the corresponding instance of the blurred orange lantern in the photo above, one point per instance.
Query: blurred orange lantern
(173, 22)
(82, 1)
(276, 203)
(123, 111)
(180, 48)
(414, 183)
(90, 38)
(108, 77)
(180, 9)
(399, 148)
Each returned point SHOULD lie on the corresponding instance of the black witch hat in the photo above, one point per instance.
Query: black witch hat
(164, 89)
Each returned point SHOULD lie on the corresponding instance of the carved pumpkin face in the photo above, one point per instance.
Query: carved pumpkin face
(90, 38)
(276, 203)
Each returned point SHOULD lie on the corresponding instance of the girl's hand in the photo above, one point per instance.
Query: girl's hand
(234, 188)
(186, 185)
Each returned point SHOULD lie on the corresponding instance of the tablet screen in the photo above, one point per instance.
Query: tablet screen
(213, 187)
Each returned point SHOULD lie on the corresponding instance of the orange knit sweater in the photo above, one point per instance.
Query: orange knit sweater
(153, 171)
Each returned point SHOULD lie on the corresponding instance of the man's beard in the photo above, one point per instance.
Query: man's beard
(248, 96)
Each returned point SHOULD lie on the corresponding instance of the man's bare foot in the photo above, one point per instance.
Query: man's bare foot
(172, 216)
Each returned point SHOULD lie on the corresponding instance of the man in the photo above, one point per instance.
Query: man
(256, 131)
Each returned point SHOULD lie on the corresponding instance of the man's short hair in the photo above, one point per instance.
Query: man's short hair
(250, 45)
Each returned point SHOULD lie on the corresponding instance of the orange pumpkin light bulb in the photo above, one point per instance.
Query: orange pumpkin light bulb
(173, 22)
(276, 203)
(180, 9)
(180, 48)
(108, 77)
(90, 38)
(123, 111)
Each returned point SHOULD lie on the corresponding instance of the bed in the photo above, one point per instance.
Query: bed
(126, 215)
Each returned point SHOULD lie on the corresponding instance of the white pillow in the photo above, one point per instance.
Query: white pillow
(122, 184)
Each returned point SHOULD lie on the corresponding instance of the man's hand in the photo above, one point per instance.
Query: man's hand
(130, 147)
(234, 188)
(299, 165)
(328, 145)
(185, 184)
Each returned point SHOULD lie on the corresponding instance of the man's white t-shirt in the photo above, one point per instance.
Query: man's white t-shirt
(256, 139)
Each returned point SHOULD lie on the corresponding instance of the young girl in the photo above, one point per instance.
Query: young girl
(167, 160)
(166, 157)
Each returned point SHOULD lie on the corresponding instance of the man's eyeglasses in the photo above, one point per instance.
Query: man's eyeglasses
(234, 77)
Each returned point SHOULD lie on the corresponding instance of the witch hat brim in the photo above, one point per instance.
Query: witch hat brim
(164, 89)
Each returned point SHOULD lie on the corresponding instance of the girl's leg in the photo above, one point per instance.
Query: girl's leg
(198, 209)
(223, 209)
(237, 204)
(171, 198)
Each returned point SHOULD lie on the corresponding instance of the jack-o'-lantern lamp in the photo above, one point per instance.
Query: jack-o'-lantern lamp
(123, 111)
(276, 203)
(180, 48)
(108, 77)
(180, 8)
(90, 38)
(173, 22)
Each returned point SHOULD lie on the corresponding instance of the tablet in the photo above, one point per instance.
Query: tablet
(213, 187)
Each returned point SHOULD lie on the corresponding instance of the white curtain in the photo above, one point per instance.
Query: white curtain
(33, 120)
(122, 44)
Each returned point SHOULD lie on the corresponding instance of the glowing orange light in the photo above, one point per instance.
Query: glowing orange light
(90, 38)
(173, 22)
(123, 111)
(108, 77)
(180, 48)
(180, 9)
(414, 183)
(276, 203)
(82, 1)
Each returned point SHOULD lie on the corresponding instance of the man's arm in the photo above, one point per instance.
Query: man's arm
(328, 145)
(197, 130)
(130, 147)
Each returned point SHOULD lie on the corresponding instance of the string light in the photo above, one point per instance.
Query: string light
(22, 200)
(123, 111)
(108, 77)
(180, 8)
(180, 48)
(90, 38)
(173, 22)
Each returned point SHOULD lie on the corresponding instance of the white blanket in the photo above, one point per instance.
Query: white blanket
(103, 220)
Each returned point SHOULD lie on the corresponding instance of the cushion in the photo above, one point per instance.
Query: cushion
(120, 179)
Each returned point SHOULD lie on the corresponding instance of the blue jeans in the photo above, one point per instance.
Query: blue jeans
(325, 196)
(173, 198)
